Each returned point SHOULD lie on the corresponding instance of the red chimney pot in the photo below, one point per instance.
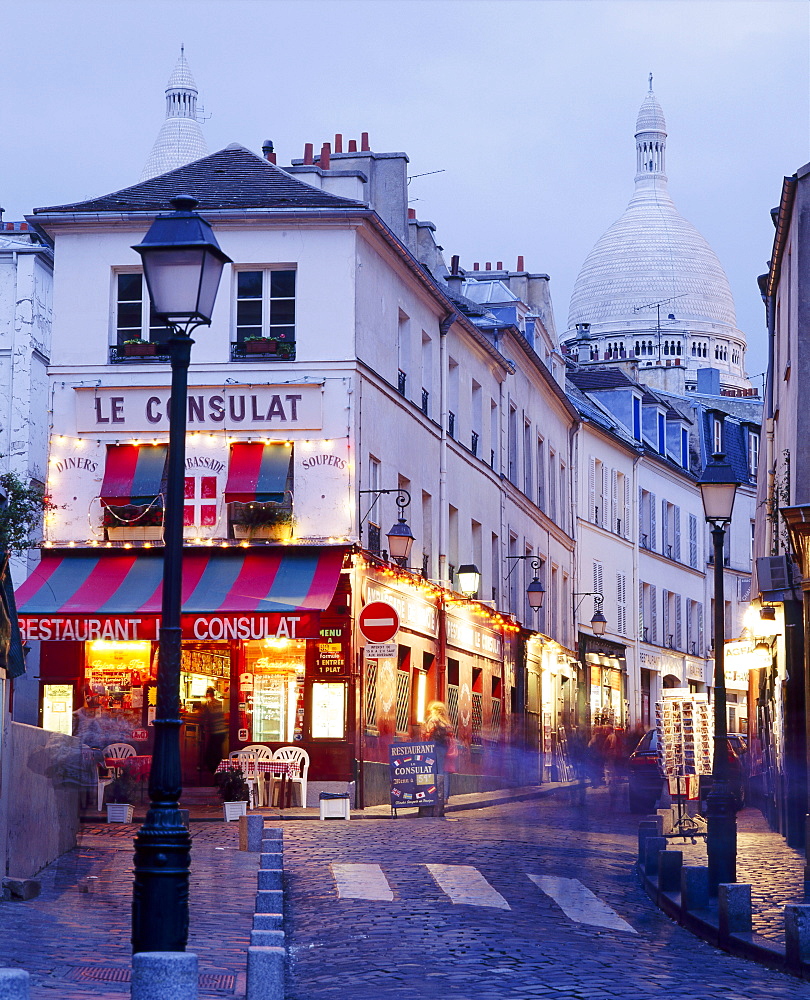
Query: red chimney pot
(364, 146)
(411, 213)
(476, 266)
(308, 153)
(352, 145)
(338, 142)
(326, 156)
(520, 266)
(500, 265)
(489, 265)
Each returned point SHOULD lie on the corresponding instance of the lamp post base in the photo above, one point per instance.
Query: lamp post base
(160, 887)
(721, 836)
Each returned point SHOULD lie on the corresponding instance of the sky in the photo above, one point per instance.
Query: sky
(519, 114)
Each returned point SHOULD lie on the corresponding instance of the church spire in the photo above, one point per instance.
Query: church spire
(651, 138)
(180, 139)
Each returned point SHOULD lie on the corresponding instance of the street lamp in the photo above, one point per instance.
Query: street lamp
(718, 486)
(469, 579)
(535, 592)
(182, 263)
(598, 621)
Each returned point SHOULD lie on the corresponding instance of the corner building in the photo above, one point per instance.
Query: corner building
(321, 391)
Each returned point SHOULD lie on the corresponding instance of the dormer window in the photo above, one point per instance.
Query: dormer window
(636, 418)
(684, 448)
(662, 434)
(717, 431)
(753, 453)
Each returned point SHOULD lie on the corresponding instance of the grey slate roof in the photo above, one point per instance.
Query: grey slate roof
(233, 178)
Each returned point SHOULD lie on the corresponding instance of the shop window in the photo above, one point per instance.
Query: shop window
(452, 691)
(419, 696)
(495, 709)
(403, 701)
(328, 710)
(271, 691)
(115, 677)
(370, 695)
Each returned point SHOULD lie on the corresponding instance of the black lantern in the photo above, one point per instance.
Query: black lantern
(718, 487)
(536, 594)
(182, 263)
(598, 622)
(400, 540)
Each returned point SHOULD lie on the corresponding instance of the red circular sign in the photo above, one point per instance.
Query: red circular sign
(378, 622)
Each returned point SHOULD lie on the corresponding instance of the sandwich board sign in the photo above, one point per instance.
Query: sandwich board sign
(413, 775)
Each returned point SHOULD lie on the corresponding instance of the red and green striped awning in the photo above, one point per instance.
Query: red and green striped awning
(134, 473)
(238, 585)
(258, 472)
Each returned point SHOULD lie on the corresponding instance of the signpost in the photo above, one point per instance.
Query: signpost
(378, 622)
(413, 775)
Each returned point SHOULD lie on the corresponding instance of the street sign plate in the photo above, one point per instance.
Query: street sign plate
(380, 650)
(378, 622)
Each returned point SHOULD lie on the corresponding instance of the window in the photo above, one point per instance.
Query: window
(753, 453)
(717, 433)
(636, 418)
(693, 541)
(684, 449)
(265, 307)
(527, 458)
(662, 434)
(552, 486)
(134, 317)
(512, 446)
(541, 474)
(646, 519)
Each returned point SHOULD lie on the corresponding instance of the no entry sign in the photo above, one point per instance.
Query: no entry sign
(378, 622)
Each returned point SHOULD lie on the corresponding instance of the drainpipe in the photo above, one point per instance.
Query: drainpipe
(444, 528)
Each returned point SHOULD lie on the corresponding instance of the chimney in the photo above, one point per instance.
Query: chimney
(268, 151)
(308, 153)
(520, 266)
(500, 265)
(352, 145)
(454, 264)
(476, 266)
(364, 146)
(489, 265)
(411, 213)
(338, 142)
(454, 280)
(326, 156)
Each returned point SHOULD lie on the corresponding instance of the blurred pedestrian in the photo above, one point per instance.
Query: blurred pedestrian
(438, 729)
(215, 729)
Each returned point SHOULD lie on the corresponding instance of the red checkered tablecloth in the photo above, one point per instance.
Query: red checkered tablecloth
(137, 766)
(275, 767)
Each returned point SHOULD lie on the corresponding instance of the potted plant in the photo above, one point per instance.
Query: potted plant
(121, 794)
(234, 792)
(262, 520)
(133, 522)
(138, 348)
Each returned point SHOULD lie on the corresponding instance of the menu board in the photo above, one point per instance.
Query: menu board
(684, 735)
(413, 774)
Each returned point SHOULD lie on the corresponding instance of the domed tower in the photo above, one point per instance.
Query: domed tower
(652, 289)
(180, 139)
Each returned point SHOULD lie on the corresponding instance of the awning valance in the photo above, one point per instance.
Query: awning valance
(134, 473)
(264, 590)
(258, 472)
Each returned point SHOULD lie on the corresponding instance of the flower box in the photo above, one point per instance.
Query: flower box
(119, 812)
(263, 346)
(273, 532)
(135, 533)
(144, 349)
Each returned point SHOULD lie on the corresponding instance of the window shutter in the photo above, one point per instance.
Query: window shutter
(597, 577)
(653, 534)
(605, 520)
(690, 608)
(653, 613)
(641, 611)
(626, 506)
(665, 620)
(614, 498)
(700, 630)
(693, 552)
(677, 539)
(678, 626)
(621, 603)
(592, 490)
(640, 514)
(664, 528)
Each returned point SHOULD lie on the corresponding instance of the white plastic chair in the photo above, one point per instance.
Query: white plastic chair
(102, 784)
(294, 755)
(262, 753)
(118, 751)
(247, 760)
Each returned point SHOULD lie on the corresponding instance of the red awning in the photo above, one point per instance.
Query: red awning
(228, 594)
(258, 472)
(134, 473)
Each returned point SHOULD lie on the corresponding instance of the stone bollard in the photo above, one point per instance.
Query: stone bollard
(164, 975)
(265, 973)
(272, 833)
(269, 901)
(670, 864)
(733, 908)
(267, 938)
(271, 860)
(251, 832)
(694, 887)
(651, 848)
(270, 878)
(14, 984)
(268, 921)
(646, 828)
(797, 934)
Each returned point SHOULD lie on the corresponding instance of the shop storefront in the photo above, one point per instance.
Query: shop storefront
(257, 629)
(606, 681)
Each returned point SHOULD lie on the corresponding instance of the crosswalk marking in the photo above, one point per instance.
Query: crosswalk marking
(465, 884)
(579, 903)
(361, 882)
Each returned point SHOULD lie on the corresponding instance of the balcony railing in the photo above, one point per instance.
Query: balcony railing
(451, 423)
(426, 402)
(474, 443)
(402, 381)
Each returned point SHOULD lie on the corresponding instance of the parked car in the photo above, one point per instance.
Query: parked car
(646, 777)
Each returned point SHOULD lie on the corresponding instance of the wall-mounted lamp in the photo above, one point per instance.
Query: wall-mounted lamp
(598, 622)
(400, 537)
(535, 592)
(469, 579)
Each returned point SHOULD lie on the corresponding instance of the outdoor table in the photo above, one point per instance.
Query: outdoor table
(137, 767)
(275, 768)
